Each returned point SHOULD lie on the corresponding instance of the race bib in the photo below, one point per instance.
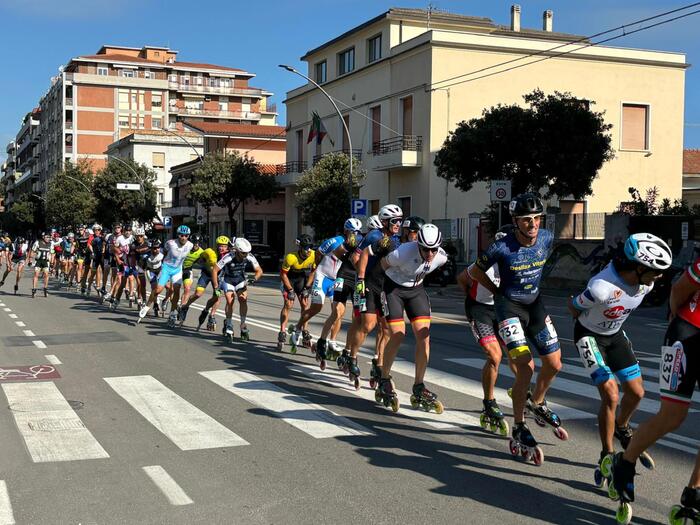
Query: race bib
(338, 284)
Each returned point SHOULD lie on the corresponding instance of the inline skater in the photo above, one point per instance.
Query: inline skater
(679, 376)
(521, 257)
(234, 282)
(154, 262)
(404, 270)
(367, 298)
(206, 262)
(96, 247)
(140, 248)
(19, 254)
(189, 265)
(296, 277)
(41, 250)
(606, 352)
(222, 248)
(481, 315)
(56, 249)
(67, 257)
(171, 271)
(127, 257)
(83, 256)
(6, 247)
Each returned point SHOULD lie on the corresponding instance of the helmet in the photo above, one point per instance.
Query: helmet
(196, 239)
(503, 231)
(183, 229)
(429, 236)
(242, 245)
(46, 234)
(413, 223)
(155, 243)
(71, 235)
(304, 241)
(222, 239)
(139, 231)
(390, 211)
(373, 223)
(82, 227)
(353, 225)
(526, 205)
(96, 227)
(648, 250)
(20, 239)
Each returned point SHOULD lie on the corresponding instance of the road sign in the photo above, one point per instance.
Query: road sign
(500, 190)
(359, 207)
(167, 222)
(128, 186)
(200, 220)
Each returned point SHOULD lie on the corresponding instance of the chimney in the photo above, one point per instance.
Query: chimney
(515, 17)
(547, 19)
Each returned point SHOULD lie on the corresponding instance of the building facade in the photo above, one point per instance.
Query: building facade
(403, 82)
(691, 176)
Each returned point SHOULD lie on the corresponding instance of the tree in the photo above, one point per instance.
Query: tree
(323, 193)
(125, 205)
(69, 198)
(26, 214)
(555, 146)
(229, 181)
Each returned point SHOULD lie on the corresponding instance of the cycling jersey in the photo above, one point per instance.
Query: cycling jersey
(97, 243)
(295, 267)
(175, 253)
(192, 258)
(206, 261)
(406, 266)
(330, 264)
(690, 311)
(41, 252)
(232, 269)
(608, 301)
(154, 262)
(478, 293)
(520, 267)
(347, 270)
(19, 251)
(82, 244)
(374, 275)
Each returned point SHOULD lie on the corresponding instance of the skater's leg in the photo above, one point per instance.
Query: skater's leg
(633, 394)
(421, 331)
(336, 316)
(242, 305)
(489, 373)
(366, 324)
(306, 315)
(670, 416)
(397, 330)
(695, 476)
(609, 396)
(524, 366)
(551, 364)
(175, 297)
(381, 340)
(284, 314)
(335, 329)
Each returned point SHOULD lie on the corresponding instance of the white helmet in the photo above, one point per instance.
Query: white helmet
(242, 245)
(373, 223)
(648, 250)
(390, 211)
(96, 227)
(353, 225)
(90, 231)
(139, 231)
(429, 236)
(71, 235)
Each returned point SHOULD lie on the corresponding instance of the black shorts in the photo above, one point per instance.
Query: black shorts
(373, 302)
(606, 356)
(679, 368)
(342, 294)
(97, 262)
(186, 274)
(482, 320)
(298, 284)
(519, 322)
(399, 299)
(19, 260)
(66, 256)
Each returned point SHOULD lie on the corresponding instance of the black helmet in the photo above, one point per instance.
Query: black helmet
(196, 239)
(413, 223)
(20, 240)
(304, 241)
(155, 243)
(525, 205)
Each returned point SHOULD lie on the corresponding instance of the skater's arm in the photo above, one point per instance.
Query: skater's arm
(464, 281)
(681, 292)
(362, 263)
(484, 280)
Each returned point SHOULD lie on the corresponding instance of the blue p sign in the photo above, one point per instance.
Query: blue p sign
(359, 207)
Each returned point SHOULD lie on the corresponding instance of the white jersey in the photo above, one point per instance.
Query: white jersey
(607, 301)
(175, 253)
(408, 268)
(480, 294)
(154, 262)
(329, 264)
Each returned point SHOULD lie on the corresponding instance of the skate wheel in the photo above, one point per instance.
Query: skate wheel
(647, 461)
(537, 456)
(606, 466)
(503, 428)
(394, 404)
(612, 492)
(561, 433)
(599, 479)
(322, 365)
(439, 407)
(293, 350)
(483, 422)
(624, 513)
(540, 421)
(414, 402)
(357, 383)
(513, 447)
(377, 396)
(673, 518)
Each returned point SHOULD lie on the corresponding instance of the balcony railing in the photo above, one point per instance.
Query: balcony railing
(69, 124)
(356, 154)
(69, 148)
(69, 101)
(208, 88)
(398, 152)
(402, 143)
(295, 166)
(271, 108)
(249, 115)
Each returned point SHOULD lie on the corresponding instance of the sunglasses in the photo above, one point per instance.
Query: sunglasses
(431, 250)
(395, 221)
(183, 234)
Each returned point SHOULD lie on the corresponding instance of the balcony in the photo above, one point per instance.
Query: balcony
(288, 174)
(179, 208)
(398, 152)
(215, 113)
(215, 89)
(356, 155)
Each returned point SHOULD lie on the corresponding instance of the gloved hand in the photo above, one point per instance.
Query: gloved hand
(218, 292)
(252, 281)
(289, 295)
(360, 287)
(304, 293)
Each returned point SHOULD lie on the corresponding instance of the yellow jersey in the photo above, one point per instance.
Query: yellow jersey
(204, 259)
(294, 266)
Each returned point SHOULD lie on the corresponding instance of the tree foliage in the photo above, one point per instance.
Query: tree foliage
(69, 198)
(229, 181)
(649, 204)
(555, 146)
(115, 205)
(26, 214)
(323, 193)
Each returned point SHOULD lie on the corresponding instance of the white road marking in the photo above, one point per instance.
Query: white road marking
(167, 485)
(39, 344)
(2, 304)
(7, 309)
(20, 324)
(313, 419)
(53, 359)
(28, 333)
(13, 316)
(50, 428)
(6, 515)
(181, 422)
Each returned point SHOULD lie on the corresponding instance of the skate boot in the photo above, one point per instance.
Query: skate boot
(523, 444)
(386, 395)
(492, 417)
(2, 283)
(427, 400)
(211, 324)
(294, 340)
(332, 352)
(689, 509)
(227, 331)
(325, 346)
(201, 319)
(182, 314)
(172, 319)
(245, 333)
(83, 290)
(104, 298)
(281, 339)
(131, 301)
(306, 339)
(33, 293)
(343, 362)
(374, 373)
(624, 436)
(621, 487)
(156, 309)
(544, 416)
(46, 292)
(601, 474)
(115, 304)
(142, 313)
(319, 348)
(354, 372)
(16, 289)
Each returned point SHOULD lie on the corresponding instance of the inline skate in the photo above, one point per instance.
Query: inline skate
(621, 487)
(332, 352)
(386, 395)
(104, 298)
(343, 362)
(33, 293)
(523, 443)
(172, 319)
(688, 512)
(16, 289)
(281, 339)
(321, 343)
(142, 313)
(545, 416)
(294, 339)
(306, 339)
(46, 292)
(227, 330)
(427, 400)
(245, 333)
(601, 474)
(182, 314)
(624, 436)
(374, 373)
(354, 372)
(320, 350)
(114, 305)
(492, 418)
(211, 324)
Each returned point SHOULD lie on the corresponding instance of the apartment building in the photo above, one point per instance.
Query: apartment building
(27, 153)
(398, 79)
(98, 99)
(7, 179)
(691, 176)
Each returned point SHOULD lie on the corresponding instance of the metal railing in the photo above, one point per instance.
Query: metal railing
(271, 108)
(69, 124)
(401, 143)
(579, 226)
(69, 101)
(215, 113)
(356, 153)
(295, 166)
(209, 88)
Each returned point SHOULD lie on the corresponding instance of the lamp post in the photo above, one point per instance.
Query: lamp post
(132, 170)
(340, 116)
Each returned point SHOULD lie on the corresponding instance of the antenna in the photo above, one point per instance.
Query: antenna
(430, 10)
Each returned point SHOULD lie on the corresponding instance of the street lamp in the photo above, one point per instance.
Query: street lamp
(201, 159)
(340, 116)
(76, 180)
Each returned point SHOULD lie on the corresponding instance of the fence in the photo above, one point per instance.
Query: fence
(576, 226)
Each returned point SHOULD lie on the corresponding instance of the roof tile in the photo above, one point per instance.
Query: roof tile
(231, 128)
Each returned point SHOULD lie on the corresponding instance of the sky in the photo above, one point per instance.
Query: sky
(38, 36)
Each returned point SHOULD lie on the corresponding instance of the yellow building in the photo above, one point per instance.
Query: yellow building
(390, 79)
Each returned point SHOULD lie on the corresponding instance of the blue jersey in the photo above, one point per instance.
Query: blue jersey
(377, 250)
(519, 267)
(330, 264)
(347, 270)
(331, 244)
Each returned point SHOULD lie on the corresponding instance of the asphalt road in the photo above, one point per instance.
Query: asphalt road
(151, 425)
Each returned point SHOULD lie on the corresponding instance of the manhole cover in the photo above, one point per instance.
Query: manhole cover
(76, 405)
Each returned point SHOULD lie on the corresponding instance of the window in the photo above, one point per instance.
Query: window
(245, 104)
(102, 71)
(198, 79)
(158, 159)
(157, 123)
(407, 116)
(374, 48)
(141, 123)
(160, 198)
(375, 114)
(128, 73)
(156, 100)
(226, 82)
(123, 121)
(405, 205)
(320, 72)
(300, 145)
(223, 103)
(185, 81)
(346, 61)
(148, 74)
(123, 99)
(133, 100)
(635, 127)
(142, 102)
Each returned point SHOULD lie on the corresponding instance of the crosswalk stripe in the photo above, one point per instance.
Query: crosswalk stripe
(313, 419)
(51, 429)
(167, 485)
(181, 422)
(6, 515)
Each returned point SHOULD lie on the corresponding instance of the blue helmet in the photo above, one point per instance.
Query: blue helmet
(183, 230)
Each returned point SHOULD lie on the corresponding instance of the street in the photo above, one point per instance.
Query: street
(145, 424)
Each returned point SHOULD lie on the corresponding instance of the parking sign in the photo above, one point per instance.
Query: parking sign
(359, 207)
